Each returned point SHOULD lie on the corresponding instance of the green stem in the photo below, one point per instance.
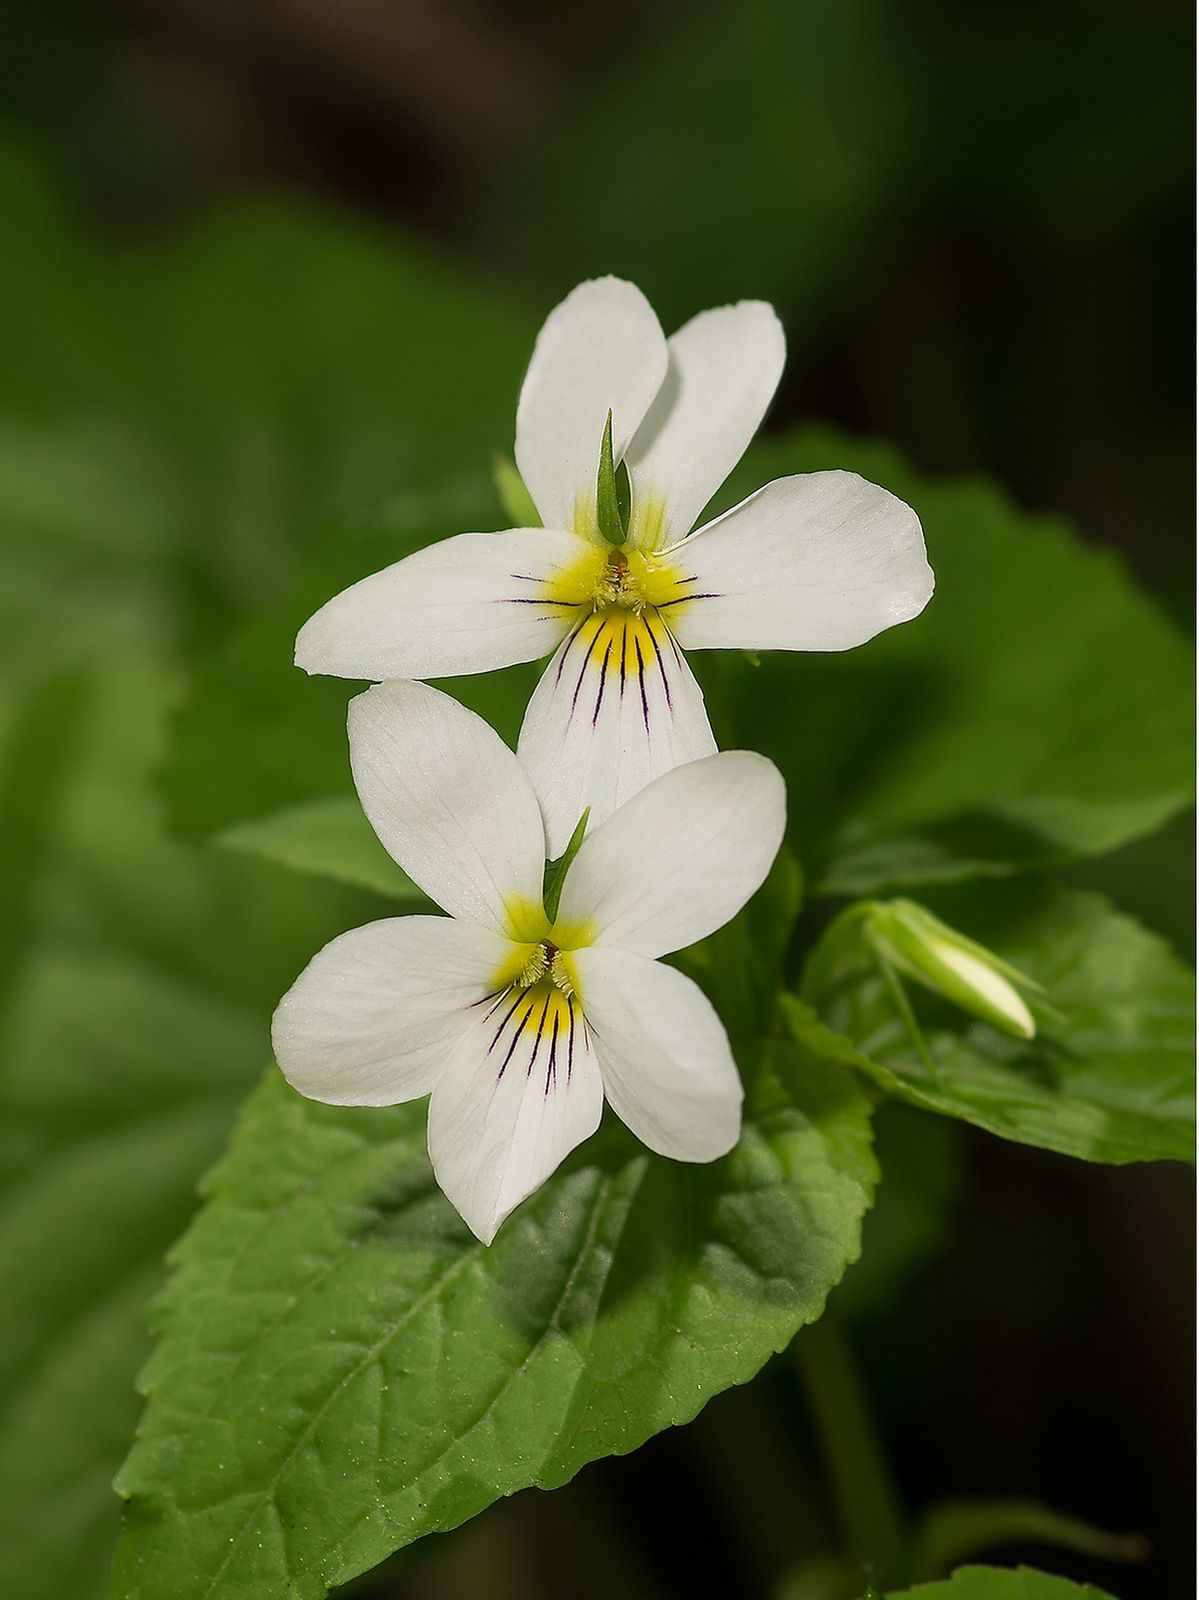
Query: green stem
(868, 1508)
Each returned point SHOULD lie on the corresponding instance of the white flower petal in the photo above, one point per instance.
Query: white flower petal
(522, 1091)
(472, 603)
(680, 858)
(663, 1054)
(822, 561)
(616, 706)
(449, 801)
(376, 1015)
(725, 365)
(601, 350)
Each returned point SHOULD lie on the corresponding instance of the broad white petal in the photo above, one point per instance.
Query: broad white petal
(522, 1091)
(601, 350)
(822, 561)
(663, 1055)
(616, 706)
(449, 801)
(680, 858)
(472, 603)
(376, 1015)
(724, 367)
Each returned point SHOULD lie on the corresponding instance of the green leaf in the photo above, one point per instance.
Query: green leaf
(922, 1161)
(342, 1368)
(949, 1532)
(1109, 1076)
(1001, 1583)
(1040, 709)
(329, 837)
(137, 984)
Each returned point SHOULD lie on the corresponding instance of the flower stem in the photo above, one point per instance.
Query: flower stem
(868, 1509)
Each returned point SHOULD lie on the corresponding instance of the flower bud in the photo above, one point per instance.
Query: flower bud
(926, 949)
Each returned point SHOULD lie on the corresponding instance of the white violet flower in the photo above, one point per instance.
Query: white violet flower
(819, 561)
(519, 1026)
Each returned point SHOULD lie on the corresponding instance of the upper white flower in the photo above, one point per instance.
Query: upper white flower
(821, 561)
(518, 1026)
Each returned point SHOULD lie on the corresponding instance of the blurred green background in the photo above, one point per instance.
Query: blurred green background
(272, 267)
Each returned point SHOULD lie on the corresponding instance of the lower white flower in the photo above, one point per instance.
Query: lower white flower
(817, 561)
(516, 1025)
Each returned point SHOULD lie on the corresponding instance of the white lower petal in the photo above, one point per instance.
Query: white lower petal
(681, 858)
(822, 561)
(616, 707)
(472, 603)
(449, 801)
(602, 349)
(725, 365)
(377, 1015)
(663, 1054)
(522, 1091)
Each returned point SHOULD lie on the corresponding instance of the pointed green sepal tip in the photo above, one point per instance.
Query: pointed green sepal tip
(922, 947)
(555, 871)
(607, 497)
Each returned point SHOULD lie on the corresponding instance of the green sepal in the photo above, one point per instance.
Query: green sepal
(607, 499)
(555, 871)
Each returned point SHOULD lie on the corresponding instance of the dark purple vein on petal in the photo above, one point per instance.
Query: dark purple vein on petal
(599, 699)
(567, 645)
(579, 684)
(661, 666)
(540, 1028)
(641, 683)
(551, 1071)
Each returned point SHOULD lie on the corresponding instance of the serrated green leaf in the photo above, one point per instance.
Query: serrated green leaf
(1040, 709)
(1001, 1583)
(1110, 1075)
(137, 984)
(342, 1368)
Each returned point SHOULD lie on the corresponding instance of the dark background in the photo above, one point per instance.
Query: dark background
(977, 223)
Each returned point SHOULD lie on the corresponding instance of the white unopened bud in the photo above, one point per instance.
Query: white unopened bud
(926, 949)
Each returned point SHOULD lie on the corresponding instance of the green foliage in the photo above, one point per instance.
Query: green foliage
(168, 444)
(255, 736)
(512, 493)
(330, 838)
(1109, 1076)
(1001, 1583)
(137, 980)
(342, 1368)
(956, 1529)
(1040, 709)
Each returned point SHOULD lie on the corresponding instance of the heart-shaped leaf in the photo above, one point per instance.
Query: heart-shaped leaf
(342, 1367)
